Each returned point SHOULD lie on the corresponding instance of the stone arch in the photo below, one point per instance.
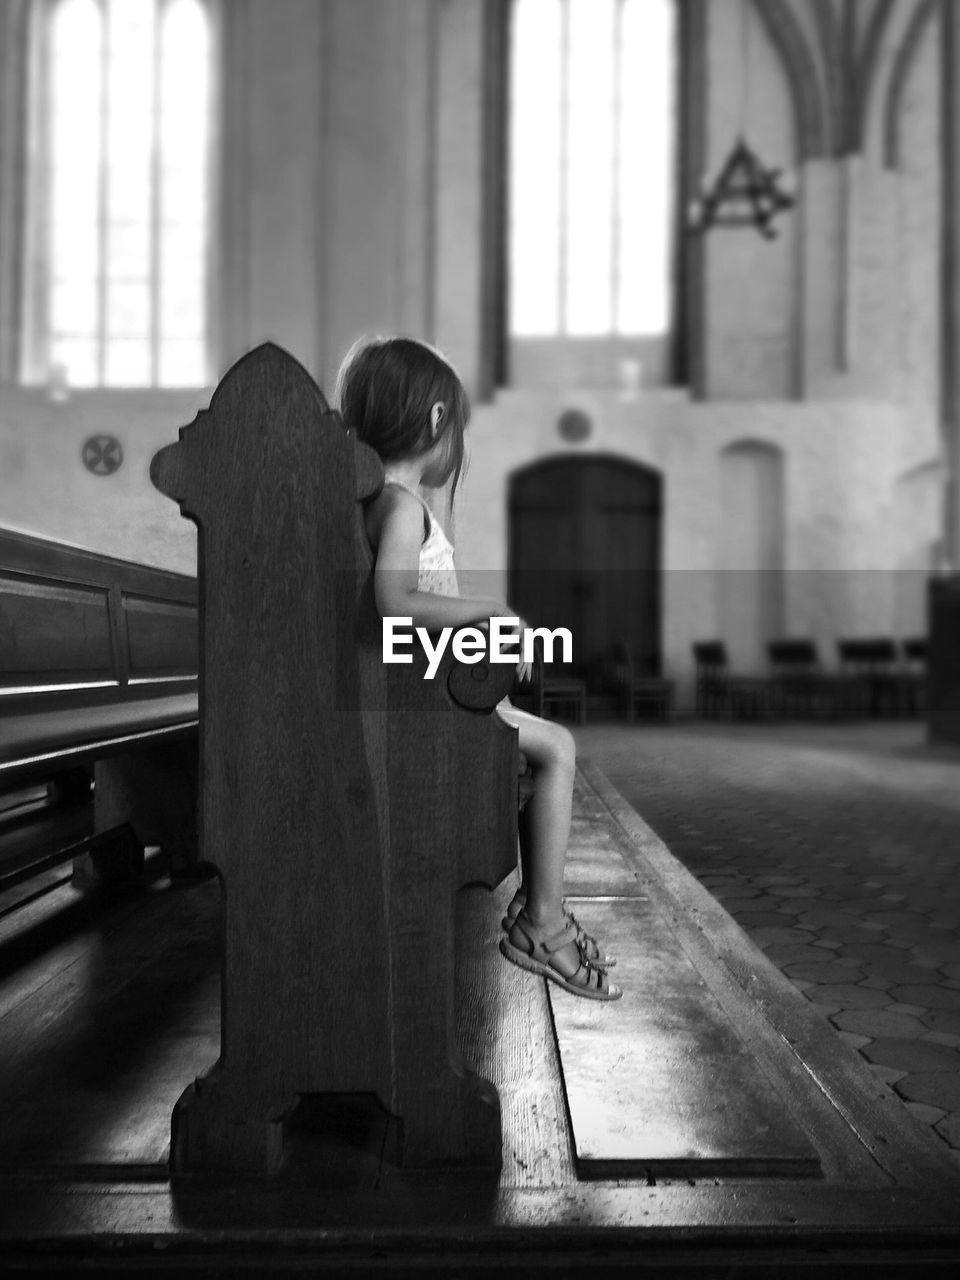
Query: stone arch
(835, 70)
(798, 60)
(867, 72)
(923, 14)
(751, 550)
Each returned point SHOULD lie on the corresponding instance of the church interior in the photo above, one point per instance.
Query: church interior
(697, 265)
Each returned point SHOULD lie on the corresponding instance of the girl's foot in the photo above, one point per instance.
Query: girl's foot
(593, 953)
(558, 956)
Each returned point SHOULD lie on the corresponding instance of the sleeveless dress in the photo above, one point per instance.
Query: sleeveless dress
(437, 572)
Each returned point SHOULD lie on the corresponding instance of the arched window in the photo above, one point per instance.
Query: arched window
(592, 166)
(119, 203)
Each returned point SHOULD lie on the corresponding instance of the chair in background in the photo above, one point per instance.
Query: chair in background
(634, 690)
(803, 689)
(723, 696)
(872, 665)
(555, 692)
(913, 675)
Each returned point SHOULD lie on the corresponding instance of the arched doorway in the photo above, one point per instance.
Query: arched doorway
(584, 553)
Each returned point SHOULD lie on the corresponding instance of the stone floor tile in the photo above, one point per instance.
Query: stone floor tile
(826, 971)
(947, 1020)
(800, 891)
(877, 984)
(952, 971)
(937, 1088)
(929, 995)
(824, 917)
(883, 953)
(846, 995)
(852, 1039)
(828, 944)
(889, 1075)
(949, 1130)
(912, 1055)
(925, 962)
(915, 1010)
(925, 1113)
(784, 953)
(943, 950)
(906, 916)
(756, 919)
(784, 937)
(942, 1037)
(876, 1022)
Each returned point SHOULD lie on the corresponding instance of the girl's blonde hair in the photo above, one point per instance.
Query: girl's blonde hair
(386, 390)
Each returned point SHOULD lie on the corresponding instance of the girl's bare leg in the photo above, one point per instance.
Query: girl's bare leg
(551, 751)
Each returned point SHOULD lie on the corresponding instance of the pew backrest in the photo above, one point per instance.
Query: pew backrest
(93, 650)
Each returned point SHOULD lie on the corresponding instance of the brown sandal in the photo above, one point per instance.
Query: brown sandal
(526, 947)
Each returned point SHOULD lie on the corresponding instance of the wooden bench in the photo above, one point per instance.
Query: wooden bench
(98, 678)
(343, 800)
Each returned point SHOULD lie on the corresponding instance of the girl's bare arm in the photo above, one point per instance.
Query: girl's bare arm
(398, 529)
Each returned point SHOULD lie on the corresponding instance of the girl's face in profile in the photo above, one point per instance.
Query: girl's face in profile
(438, 463)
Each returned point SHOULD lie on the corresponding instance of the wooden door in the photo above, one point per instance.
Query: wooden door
(584, 553)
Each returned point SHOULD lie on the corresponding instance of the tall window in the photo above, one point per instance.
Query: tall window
(120, 199)
(592, 144)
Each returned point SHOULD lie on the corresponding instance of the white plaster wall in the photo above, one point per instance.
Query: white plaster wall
(46, 490)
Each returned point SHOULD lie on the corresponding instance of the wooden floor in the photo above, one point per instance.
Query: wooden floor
(709, 1122)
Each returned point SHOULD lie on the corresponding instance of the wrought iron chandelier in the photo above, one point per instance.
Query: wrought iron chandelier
(744, 191)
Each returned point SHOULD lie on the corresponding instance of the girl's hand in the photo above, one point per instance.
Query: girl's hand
(524, 669)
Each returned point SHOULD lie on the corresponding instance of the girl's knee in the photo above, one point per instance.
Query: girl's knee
(563, 746)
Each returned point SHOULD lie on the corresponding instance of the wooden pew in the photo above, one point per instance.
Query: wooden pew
(98, 676)
(343, 801)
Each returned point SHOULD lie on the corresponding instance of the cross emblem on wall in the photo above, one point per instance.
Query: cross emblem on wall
(102, 455)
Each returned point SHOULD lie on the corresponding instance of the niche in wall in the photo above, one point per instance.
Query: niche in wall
(750, 551)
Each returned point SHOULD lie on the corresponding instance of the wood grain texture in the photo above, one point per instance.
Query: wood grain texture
(76, 626)
(342, 801)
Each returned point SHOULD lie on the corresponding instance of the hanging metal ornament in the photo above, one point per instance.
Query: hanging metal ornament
(745, 191)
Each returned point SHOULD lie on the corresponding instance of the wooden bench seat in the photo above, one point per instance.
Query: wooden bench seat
(32, 744)
(98, 676)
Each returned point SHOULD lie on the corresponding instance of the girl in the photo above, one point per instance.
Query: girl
(405, 401)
